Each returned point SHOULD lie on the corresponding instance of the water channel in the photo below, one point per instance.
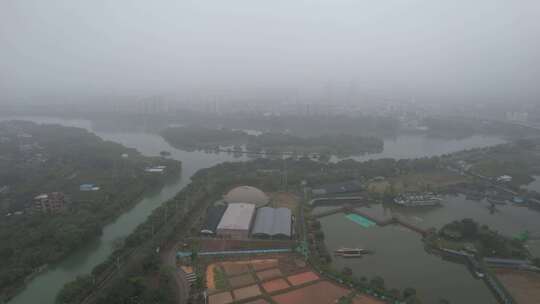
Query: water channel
(44, 287)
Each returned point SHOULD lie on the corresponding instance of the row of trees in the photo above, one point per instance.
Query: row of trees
(489, 243)
(190, 138)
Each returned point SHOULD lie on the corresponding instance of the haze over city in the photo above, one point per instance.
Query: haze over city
(270, 152)
(451, 51)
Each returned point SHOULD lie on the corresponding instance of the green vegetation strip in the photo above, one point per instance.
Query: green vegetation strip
(220, 280)
(360, 220)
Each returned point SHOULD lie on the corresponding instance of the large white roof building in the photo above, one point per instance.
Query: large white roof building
(236, 221)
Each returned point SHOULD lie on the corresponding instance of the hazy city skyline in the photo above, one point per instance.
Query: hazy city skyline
(442, 51)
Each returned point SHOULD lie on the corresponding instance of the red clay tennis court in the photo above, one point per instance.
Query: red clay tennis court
(264, 264)
(318, 293)
(302, 278)
(275, 285)
(247, 292)
(241, 280)
(220, 298)
(269, 274)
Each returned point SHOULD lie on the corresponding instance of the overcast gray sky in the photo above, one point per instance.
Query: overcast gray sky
(486, 49)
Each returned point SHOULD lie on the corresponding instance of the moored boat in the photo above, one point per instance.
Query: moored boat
(350, 252)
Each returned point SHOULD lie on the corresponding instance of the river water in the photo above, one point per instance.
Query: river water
(399, 254)
(416, 146)
(534, 185)
(44, 287)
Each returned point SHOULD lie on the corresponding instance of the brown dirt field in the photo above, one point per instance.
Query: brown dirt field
(210, 277)
(318, 293)
(220, 298)
(247, 292)
(269, 274)
(524, 286)
(302, 278)
(275, 285)
(264, 264)
(366, 300)
(235, 268)
(241, 280)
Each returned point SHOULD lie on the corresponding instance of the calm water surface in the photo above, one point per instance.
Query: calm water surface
(416, 146)
(45, 286)
(401, 259)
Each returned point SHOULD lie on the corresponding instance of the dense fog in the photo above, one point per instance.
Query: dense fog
(485, 50)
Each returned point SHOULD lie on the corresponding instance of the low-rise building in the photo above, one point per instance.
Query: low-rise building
(213, 217)
(335, 188)
(418, 200)
(272, 223)
(49, 203)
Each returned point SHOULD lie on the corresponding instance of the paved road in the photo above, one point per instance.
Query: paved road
(182, 291)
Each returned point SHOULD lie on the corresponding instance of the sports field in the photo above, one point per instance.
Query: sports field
(302, 278)
(319, 293)
(275, 285)
(360, 220)
(278, 279)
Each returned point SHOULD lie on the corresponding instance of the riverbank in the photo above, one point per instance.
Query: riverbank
(68, 157)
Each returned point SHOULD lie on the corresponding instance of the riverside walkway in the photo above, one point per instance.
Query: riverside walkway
(338, 198)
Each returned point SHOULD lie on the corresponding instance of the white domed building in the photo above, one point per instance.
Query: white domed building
(247, 194)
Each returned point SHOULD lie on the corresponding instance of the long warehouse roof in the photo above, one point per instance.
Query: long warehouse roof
(273, 222)
(237, 217)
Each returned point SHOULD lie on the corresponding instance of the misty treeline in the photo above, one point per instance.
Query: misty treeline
(271, 143)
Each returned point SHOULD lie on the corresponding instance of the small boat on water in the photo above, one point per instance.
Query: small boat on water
(351, 255)
(351, 252)
(418, 200)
